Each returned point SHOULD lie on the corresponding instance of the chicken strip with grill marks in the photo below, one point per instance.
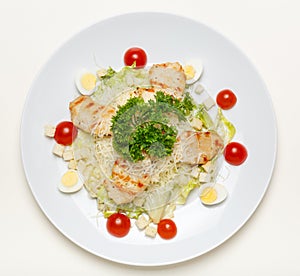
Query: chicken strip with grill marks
(125, 186)
(199, 147)
(91, 117)
(168, 76)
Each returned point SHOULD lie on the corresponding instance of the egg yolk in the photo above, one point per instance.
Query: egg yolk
(189, 71)
(69, 179)
(208, 195)
(88, 81)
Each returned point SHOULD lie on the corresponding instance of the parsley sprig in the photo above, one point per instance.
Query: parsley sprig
(152, 138)
(141, 129)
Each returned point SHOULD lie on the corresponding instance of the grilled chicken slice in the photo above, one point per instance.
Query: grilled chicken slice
(199, 147)
(125, 186)
(168, 76)
(91, 117)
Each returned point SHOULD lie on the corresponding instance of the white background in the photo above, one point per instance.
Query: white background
(267, 31)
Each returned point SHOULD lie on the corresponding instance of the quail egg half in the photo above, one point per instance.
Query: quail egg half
(85, 82)
(70, 182)
(193, 70)
(212, 193)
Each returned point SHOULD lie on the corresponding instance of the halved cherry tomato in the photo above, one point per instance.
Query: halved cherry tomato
(226, 99)
(136, 55)
(65, 133)
(167, 229)
(118, 225)
(235, 153)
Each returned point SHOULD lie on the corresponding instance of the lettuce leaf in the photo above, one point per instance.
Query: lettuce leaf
(224, 127)
(185, 191)
(203, 115)
(156, 202)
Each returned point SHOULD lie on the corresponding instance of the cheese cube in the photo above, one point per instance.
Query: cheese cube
(58, 150)
(196, 123)
(151, 231)
(141, 222)
(68, 155)
(72, 165)
(49, 131)
(209, 103)
(199, 89)
(195, 172)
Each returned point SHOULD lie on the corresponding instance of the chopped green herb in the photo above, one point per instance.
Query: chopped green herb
(153, 138)
(185, 106)
(141, 128)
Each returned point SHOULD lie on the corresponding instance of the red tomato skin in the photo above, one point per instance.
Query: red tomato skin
(167, 229)
(235, 153)
(226, 99)
(65, 133)
(118, 225)
(137, 55)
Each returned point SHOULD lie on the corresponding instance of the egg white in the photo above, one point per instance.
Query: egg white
(71, 189)
(198, 67)
(78, 84)
(220, 189)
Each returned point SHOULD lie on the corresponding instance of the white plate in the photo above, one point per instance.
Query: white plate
(165, 38)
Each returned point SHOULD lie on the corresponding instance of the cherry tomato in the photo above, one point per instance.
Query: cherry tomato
(65, 133)
(167, 229)
(226, 99)
(136, 55)
(118, 225)
(235, 153)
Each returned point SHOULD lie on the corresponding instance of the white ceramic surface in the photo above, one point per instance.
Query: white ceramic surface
(167, 38)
